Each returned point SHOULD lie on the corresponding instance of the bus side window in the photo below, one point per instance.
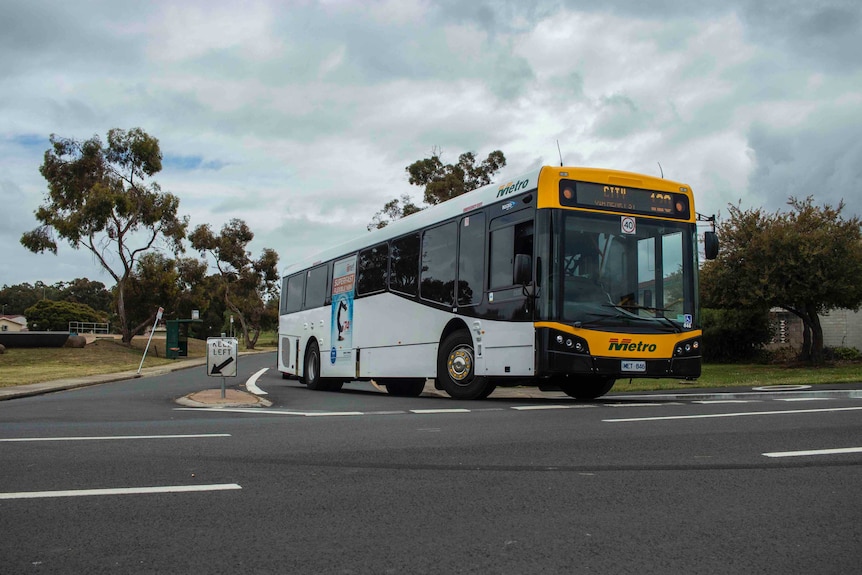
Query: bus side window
(471, 259)
(295, 289)
(505, 243)
(404, 264)
(283, 303)
(316, 287)
(373, 270)
(438, 264)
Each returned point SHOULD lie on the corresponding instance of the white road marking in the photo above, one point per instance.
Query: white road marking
(251, 383)
(641, 404)
(539, 407)
(720, 401)
(427, 411)
(814, 452)
(120, 491)
(114, 437)
(740, 414)
(802, 398)
(256, 411)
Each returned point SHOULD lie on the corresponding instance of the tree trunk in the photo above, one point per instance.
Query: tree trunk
(812, 334)
(125, 329)
(816, 338)
(805, 352)
(242, 323)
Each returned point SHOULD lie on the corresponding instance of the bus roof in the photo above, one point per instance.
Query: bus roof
(463, 204)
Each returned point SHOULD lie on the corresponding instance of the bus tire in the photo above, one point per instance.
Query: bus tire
(404, 387)
(311, 372)
(456, 368)
(586, 388)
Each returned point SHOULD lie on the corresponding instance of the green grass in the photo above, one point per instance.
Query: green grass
(752, 375)
(20, 366)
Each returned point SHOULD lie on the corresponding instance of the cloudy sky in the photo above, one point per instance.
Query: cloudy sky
(300, 116)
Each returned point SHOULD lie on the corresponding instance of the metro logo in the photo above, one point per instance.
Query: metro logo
(511, 187)
(625, 344)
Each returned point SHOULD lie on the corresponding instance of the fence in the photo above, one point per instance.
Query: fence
(89, 327)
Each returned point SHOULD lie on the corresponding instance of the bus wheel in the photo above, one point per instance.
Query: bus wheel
(456, 368)
(311, 373)
(586, 388)
(405, 387)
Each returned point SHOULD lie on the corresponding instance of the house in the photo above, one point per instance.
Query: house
(841, 328)
(13, 323)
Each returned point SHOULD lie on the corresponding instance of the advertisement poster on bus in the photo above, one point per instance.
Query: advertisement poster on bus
(343, 283)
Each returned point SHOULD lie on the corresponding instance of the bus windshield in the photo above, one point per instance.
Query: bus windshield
(613, 272)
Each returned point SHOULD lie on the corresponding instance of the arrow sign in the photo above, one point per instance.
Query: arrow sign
(217, 368)
(221, 356)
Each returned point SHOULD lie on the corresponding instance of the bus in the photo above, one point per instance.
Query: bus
(565, 278)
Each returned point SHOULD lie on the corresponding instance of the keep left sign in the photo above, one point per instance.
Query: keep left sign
(221, 356)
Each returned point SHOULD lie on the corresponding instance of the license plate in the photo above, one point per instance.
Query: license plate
(636, 366)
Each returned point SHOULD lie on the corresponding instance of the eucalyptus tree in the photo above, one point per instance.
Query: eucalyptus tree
(100, 197)
(247, 284)
(441, 182)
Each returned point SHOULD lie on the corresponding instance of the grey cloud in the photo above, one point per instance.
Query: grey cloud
(618, 117)
(826, 33)
(823, 162)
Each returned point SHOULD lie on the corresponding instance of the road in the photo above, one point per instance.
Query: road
(120, 478)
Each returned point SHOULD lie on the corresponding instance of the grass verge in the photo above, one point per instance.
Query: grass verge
(19, 366)
(752, 375)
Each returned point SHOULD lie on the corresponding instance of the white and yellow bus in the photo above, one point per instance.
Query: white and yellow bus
(564, 278)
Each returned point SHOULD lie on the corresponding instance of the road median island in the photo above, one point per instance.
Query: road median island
(213, 398)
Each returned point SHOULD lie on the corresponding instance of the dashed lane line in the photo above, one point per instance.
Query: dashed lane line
(115, 437)
(257, 411)
(120, 491)
(810, 452)
(541, 407)
(737, 414)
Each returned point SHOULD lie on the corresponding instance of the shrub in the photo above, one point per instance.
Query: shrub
(47, 315)
(842, 354)
(731, 335)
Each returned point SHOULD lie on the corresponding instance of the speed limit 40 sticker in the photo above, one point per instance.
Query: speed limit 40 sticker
(628, 225)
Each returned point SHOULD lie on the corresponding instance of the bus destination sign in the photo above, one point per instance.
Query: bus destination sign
(624, 199)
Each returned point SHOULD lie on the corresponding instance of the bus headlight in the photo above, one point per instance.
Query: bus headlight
(690, 347)
(568, 343)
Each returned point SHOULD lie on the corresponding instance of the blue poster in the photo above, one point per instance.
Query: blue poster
(343, 282)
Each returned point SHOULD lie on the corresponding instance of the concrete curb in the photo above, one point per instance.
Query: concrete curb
(232, 398)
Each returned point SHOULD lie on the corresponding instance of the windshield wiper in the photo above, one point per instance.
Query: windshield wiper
(654, 310)
(599, 318)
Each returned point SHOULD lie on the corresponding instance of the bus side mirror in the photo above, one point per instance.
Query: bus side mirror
(710, 245)
(523, 269)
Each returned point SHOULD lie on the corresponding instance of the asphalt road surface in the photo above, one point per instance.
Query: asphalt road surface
(119, 478)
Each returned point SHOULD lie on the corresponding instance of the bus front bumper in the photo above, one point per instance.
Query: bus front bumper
(562, 363)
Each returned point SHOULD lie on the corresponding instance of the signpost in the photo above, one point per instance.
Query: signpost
(146, 349)
(221, 358)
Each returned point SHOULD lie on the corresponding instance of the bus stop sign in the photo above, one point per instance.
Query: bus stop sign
(221, 356)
